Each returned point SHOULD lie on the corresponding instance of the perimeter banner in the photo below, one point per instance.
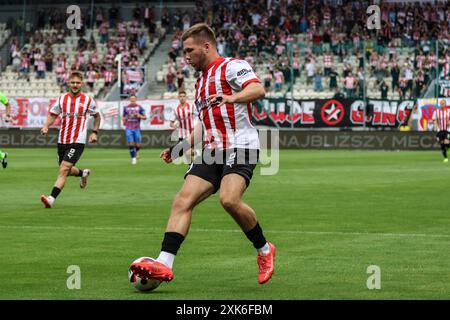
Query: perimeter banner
(425, 110)
(284, 139)
(277, 113)
(32, 113)
(331, 113)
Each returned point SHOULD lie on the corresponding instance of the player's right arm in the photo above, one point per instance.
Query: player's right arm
(51, 118)
(434, 118)
(173, 124)
(54, 112)
(176, 151)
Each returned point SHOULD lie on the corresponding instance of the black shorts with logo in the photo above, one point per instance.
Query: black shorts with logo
(442, 135)
(70, 152)
(213, 166)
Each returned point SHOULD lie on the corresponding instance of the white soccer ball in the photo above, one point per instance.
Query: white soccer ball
(141, 284)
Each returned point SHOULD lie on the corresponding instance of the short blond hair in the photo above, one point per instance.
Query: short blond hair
(200, 31)
(77, 74)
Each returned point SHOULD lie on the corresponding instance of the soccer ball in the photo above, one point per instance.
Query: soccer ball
(141, 284)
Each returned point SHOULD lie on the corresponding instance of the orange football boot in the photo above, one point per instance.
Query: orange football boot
(152, 269)
(266, 265)
(46, 202)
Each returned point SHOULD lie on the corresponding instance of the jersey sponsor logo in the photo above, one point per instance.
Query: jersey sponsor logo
(72, 114)
(243, 72)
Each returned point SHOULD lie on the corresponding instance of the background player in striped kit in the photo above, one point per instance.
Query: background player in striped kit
(224, 93)
(441, 122)
(132, 116)
(184, 118)
(72, 108)
(5, 102)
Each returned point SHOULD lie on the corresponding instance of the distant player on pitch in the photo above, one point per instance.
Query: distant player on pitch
(224, 93)
(441, 123)
(73, 109)
(183, 119)
(132, 116)
(5, 102)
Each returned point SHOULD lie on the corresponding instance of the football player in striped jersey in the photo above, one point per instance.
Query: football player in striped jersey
(224, 93)
(73, 109)
(441, 123)
(183, 119)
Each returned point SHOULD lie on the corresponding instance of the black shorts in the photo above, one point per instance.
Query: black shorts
(212, 167)
(70, 152)
(442, 135)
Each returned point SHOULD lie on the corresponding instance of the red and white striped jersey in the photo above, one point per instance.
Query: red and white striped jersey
(445, 92)
(327, 15)
(73, 113)
(228, 126)
(442, 117)
(108, 75)
(185, 115)
(328, 60)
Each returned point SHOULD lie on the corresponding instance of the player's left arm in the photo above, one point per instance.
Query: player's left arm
(93, 136)
(5, 101)
(241, 77)
(124, 116)
(93, 111)
(252, 92)
(142, 115)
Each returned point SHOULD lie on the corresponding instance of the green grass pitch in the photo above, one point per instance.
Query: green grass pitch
(331, 214)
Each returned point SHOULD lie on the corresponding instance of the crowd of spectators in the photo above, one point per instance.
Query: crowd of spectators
(38, 58)
(312, 36)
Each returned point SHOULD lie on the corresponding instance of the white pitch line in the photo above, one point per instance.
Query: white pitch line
(143, 229)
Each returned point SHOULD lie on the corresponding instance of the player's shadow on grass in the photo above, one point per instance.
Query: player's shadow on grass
(155, 292)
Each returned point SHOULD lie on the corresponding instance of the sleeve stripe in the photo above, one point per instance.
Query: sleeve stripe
(246, 83)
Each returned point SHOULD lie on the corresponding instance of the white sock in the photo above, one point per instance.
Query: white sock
(264, 250)
(51, 199)
(166, 258)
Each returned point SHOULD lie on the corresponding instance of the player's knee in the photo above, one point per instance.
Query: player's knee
(181, 203)
(229, 203)
(64, 171)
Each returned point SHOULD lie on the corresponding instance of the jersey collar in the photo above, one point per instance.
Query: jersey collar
(219, 60)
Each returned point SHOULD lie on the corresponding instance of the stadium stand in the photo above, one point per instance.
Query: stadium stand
(301, 49)
(41, 67)
(328, 46)
(4, 33)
